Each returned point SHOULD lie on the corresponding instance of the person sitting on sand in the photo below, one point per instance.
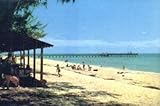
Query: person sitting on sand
(10, 78)
(14, 59)
(74, 67)
(58, 70)
(67, 65)
(28, 70)
(79, 67)
(9, 59)
(89, 68)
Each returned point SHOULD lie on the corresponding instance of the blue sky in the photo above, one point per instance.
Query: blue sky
(96, 26)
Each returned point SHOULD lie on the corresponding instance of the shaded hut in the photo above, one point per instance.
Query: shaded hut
(11, 42)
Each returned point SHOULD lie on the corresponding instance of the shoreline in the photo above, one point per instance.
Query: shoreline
(111, 72)
(109, 67)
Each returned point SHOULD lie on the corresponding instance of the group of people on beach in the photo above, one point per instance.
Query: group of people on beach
(7, 71)
(73, 67)
(10, 71)
(78, 67)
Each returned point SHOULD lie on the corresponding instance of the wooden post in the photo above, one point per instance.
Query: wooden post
(41, 68)
(34, 63)
(23, 58)
(28, 57)
(20, 58)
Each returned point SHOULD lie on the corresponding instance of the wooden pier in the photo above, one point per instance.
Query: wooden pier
(118, 54)
(89, 55)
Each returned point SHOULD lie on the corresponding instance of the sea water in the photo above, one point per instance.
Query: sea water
(140, 62)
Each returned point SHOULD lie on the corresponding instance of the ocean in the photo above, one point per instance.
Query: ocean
(140, 62)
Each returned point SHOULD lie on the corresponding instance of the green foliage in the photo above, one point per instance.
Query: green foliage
(6, 12)
(17, 16)
(23, 20)
(66, 1)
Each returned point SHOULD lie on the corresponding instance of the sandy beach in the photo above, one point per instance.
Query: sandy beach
(107, 86)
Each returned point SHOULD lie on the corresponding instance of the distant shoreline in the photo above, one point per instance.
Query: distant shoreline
(143, 62)
(108, 67)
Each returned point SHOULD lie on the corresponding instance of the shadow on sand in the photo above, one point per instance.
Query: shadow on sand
(45, 73)
(47, 97)
(63, 86)
(152, 87)
(27, 82)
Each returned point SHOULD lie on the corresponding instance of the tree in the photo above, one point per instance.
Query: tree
(23, 20)
(66, 1)
(6, 11)
(17, 16)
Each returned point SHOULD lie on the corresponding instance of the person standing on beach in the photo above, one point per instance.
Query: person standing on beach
(83, 65)
(58, 70)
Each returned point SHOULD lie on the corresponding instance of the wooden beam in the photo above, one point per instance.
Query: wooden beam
(34, 63)
(20, 57)
(23, 58)
(41, 68)
(28, 57)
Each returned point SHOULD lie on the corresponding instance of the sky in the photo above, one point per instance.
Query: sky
(99, 26)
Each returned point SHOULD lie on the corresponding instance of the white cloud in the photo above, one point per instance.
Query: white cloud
(143, 32)
(102, 43)
(142, 44)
